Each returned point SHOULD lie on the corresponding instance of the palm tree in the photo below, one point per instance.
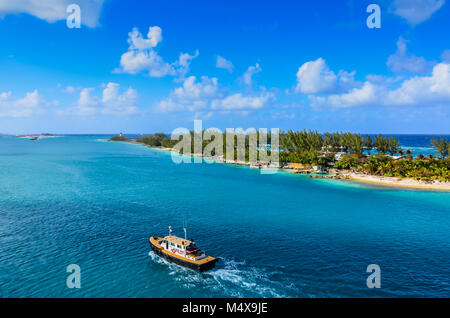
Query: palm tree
(409, 154)
(381, 143)
(442, 146)
(356, 142)
(393, 145)
(368, 143)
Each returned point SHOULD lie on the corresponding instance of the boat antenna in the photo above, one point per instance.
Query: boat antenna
(170, 230)
(185, 230)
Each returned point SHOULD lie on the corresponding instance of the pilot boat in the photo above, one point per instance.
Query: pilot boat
(182, 252)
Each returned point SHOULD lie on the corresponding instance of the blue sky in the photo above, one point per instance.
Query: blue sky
(147, 66)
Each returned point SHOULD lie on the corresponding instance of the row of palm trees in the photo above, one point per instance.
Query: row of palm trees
(419, 168)
(309, 140)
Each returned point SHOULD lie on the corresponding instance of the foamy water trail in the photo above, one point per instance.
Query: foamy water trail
(233, 278)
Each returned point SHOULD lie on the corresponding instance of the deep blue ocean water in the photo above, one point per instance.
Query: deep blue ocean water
(418, 144)
(80, 200)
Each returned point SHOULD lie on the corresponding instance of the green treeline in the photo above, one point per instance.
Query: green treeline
(341, 150)
(157, 140)
(164, 140)
(419, 168)
(311, 147)
(119, 138)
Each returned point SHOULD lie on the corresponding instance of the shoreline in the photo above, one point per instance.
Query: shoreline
(132, 141)
(214, 159)
(399, 182)
(38, 136)
(390, 182)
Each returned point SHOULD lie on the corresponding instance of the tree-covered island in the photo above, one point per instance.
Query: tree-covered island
(339, 154)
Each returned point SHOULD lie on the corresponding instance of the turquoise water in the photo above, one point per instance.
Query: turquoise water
(80, 200)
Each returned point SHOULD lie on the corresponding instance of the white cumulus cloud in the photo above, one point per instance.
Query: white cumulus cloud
(183, 63)
(416, 11)
(53, 10)
(424, 90)
(240, 102)
(192, 96)
(402, 61)
(32, 103)
(142, 57)
(356, 97)
(315, 77)
(138, 42)
(225, 64)
(417, 91)
(247, 77)
(204, 95)
(111, 102)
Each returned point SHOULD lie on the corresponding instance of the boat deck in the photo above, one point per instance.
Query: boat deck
(157, 242)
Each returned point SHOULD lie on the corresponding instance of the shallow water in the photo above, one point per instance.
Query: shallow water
(80, 200)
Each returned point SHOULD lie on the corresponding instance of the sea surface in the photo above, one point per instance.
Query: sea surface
(81, 200)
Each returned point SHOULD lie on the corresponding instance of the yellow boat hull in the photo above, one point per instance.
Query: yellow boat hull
(201, 265)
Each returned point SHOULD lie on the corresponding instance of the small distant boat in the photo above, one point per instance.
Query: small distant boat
(34, 138)
(182, 252)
